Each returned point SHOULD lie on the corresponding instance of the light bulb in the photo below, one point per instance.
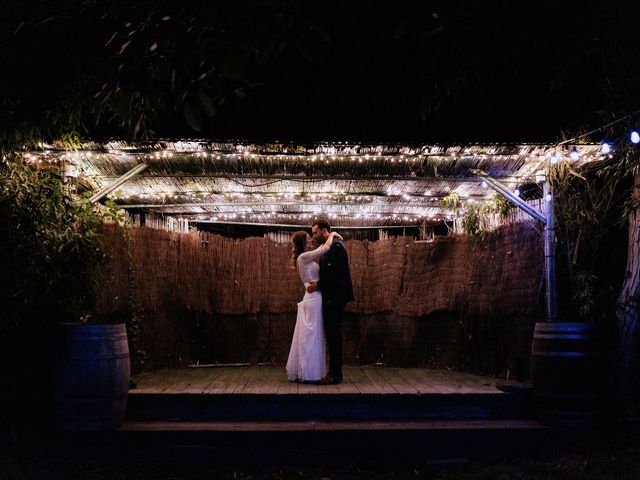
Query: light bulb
(574, 154)
(606, 148)
(635, 137)
(516, 192)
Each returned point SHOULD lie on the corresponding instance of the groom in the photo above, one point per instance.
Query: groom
(337, 290)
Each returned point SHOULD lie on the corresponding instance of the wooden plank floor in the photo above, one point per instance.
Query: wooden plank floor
(267, 380)
(325, 425)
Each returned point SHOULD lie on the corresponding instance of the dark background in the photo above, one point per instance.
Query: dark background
(446, 71)
(423, 71)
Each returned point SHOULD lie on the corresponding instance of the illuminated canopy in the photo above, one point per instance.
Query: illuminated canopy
(363, 185)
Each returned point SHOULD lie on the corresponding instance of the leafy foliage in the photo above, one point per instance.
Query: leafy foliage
(452, 202)
(590, 228)
(499, 205)
(475, 218)
(49, 251)
(50, 246)
(471, 221)
(136, 312)
(134, 68)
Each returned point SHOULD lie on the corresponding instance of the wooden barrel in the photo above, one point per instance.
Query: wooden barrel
(91, 376)
(567, 374)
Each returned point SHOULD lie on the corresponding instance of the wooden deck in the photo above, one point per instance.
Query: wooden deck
(380, 414)
(263, 393)
(267, 380)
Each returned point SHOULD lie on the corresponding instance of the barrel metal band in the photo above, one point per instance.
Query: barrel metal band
(565, 354)
(562, 337)
(115, 356)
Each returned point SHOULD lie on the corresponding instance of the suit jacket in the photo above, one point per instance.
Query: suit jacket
(335, 277)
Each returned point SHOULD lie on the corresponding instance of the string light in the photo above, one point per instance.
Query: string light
(410, 206)
(575, 155)
(635, 137)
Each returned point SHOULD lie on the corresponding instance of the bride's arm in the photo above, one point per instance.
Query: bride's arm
(313, 286)
(312, 255)
(332, 235)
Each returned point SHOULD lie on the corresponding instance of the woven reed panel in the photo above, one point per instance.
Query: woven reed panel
(283, 288)
(455, 302)
(113, 284)
(500, 273)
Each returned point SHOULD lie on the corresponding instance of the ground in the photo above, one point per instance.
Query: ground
(614, 455)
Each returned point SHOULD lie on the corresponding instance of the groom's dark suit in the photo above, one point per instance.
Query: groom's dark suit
(337, 290)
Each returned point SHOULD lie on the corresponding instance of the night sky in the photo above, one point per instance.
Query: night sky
(450, 71)
(415, 71)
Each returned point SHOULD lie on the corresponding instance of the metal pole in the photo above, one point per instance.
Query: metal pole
(549, 235)
(549, 252)
(505, 192)
(112, 186)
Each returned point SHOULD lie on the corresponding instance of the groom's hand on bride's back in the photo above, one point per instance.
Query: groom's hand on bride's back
(313, 286)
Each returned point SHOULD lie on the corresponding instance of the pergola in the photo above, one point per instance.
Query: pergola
(286, 184)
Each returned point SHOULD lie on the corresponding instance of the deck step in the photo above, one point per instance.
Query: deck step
(316, 442)
(329, 426)
(199, 407)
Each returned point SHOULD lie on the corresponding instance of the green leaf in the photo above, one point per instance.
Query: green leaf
(192, 116)
(205, 103)
(124, 106)
(235, 67)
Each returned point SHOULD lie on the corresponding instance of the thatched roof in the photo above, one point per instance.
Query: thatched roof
(282, 183)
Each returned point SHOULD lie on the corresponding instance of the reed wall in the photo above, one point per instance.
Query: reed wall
(456, 302)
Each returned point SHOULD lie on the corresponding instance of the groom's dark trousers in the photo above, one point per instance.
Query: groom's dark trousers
(333, 332)
(337, 289)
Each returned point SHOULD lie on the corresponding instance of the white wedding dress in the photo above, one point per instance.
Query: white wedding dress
(307, 357)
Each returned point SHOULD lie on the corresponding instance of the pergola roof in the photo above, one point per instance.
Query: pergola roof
(289, 184)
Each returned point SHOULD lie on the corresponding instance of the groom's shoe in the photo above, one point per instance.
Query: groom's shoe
(329, 380)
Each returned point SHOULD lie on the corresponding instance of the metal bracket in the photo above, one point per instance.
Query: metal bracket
(549, 235)
(505, 192)
(112, 186)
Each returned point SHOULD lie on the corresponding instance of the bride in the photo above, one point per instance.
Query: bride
(307, 357)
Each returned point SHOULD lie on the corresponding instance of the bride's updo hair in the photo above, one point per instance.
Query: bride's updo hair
(299, 240)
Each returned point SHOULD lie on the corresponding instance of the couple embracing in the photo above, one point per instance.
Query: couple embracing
(325, 273)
